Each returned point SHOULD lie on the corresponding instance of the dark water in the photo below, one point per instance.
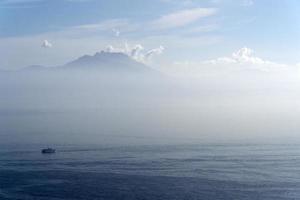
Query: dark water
(189, 172)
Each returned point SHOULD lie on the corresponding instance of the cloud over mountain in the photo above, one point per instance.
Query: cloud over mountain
(155, 51)
(137, 52)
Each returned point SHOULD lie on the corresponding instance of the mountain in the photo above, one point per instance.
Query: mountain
(34, 68)
(108, 61)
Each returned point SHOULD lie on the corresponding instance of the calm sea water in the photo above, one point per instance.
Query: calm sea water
(189, 172)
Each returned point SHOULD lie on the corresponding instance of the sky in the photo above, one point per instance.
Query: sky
(184, 36)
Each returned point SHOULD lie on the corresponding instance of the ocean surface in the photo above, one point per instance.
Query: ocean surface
(194, 171)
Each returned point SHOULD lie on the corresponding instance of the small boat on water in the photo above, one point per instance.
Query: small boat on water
(48, 150)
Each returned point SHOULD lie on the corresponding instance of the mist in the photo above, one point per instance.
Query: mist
(75, 106)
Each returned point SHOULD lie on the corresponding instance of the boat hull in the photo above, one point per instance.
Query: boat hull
(48, 151)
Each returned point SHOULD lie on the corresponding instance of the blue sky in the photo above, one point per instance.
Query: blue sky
(180, 33)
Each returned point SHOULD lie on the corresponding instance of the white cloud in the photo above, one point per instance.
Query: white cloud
(243, 60)
(245, 57)
(155, 51)
(110, 49)
(182, 18)
(46, 44)
(137, 52)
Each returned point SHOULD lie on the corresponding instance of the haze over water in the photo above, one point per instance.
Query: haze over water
(160, 99)
(139, 136)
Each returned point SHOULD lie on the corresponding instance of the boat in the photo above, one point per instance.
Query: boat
(48, 150)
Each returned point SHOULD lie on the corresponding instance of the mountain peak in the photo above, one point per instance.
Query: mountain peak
(107, 61)
(103, 61)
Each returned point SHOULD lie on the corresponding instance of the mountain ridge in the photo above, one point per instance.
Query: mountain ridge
(100, 61)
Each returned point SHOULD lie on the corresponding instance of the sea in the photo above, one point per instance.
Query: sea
(150, 172)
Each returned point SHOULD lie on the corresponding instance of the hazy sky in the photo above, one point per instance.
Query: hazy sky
(188, 34)
(244, 55)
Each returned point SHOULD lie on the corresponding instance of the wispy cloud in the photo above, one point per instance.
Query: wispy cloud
(173, 20)
(18, 1)
(235, 2)
(104, 25)
(79, 0)
(182, 18)
(32, 1)
(181, 2)
(248, 2)
(111, 27)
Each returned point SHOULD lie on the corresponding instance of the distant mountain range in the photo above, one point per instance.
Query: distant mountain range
(101, 61)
